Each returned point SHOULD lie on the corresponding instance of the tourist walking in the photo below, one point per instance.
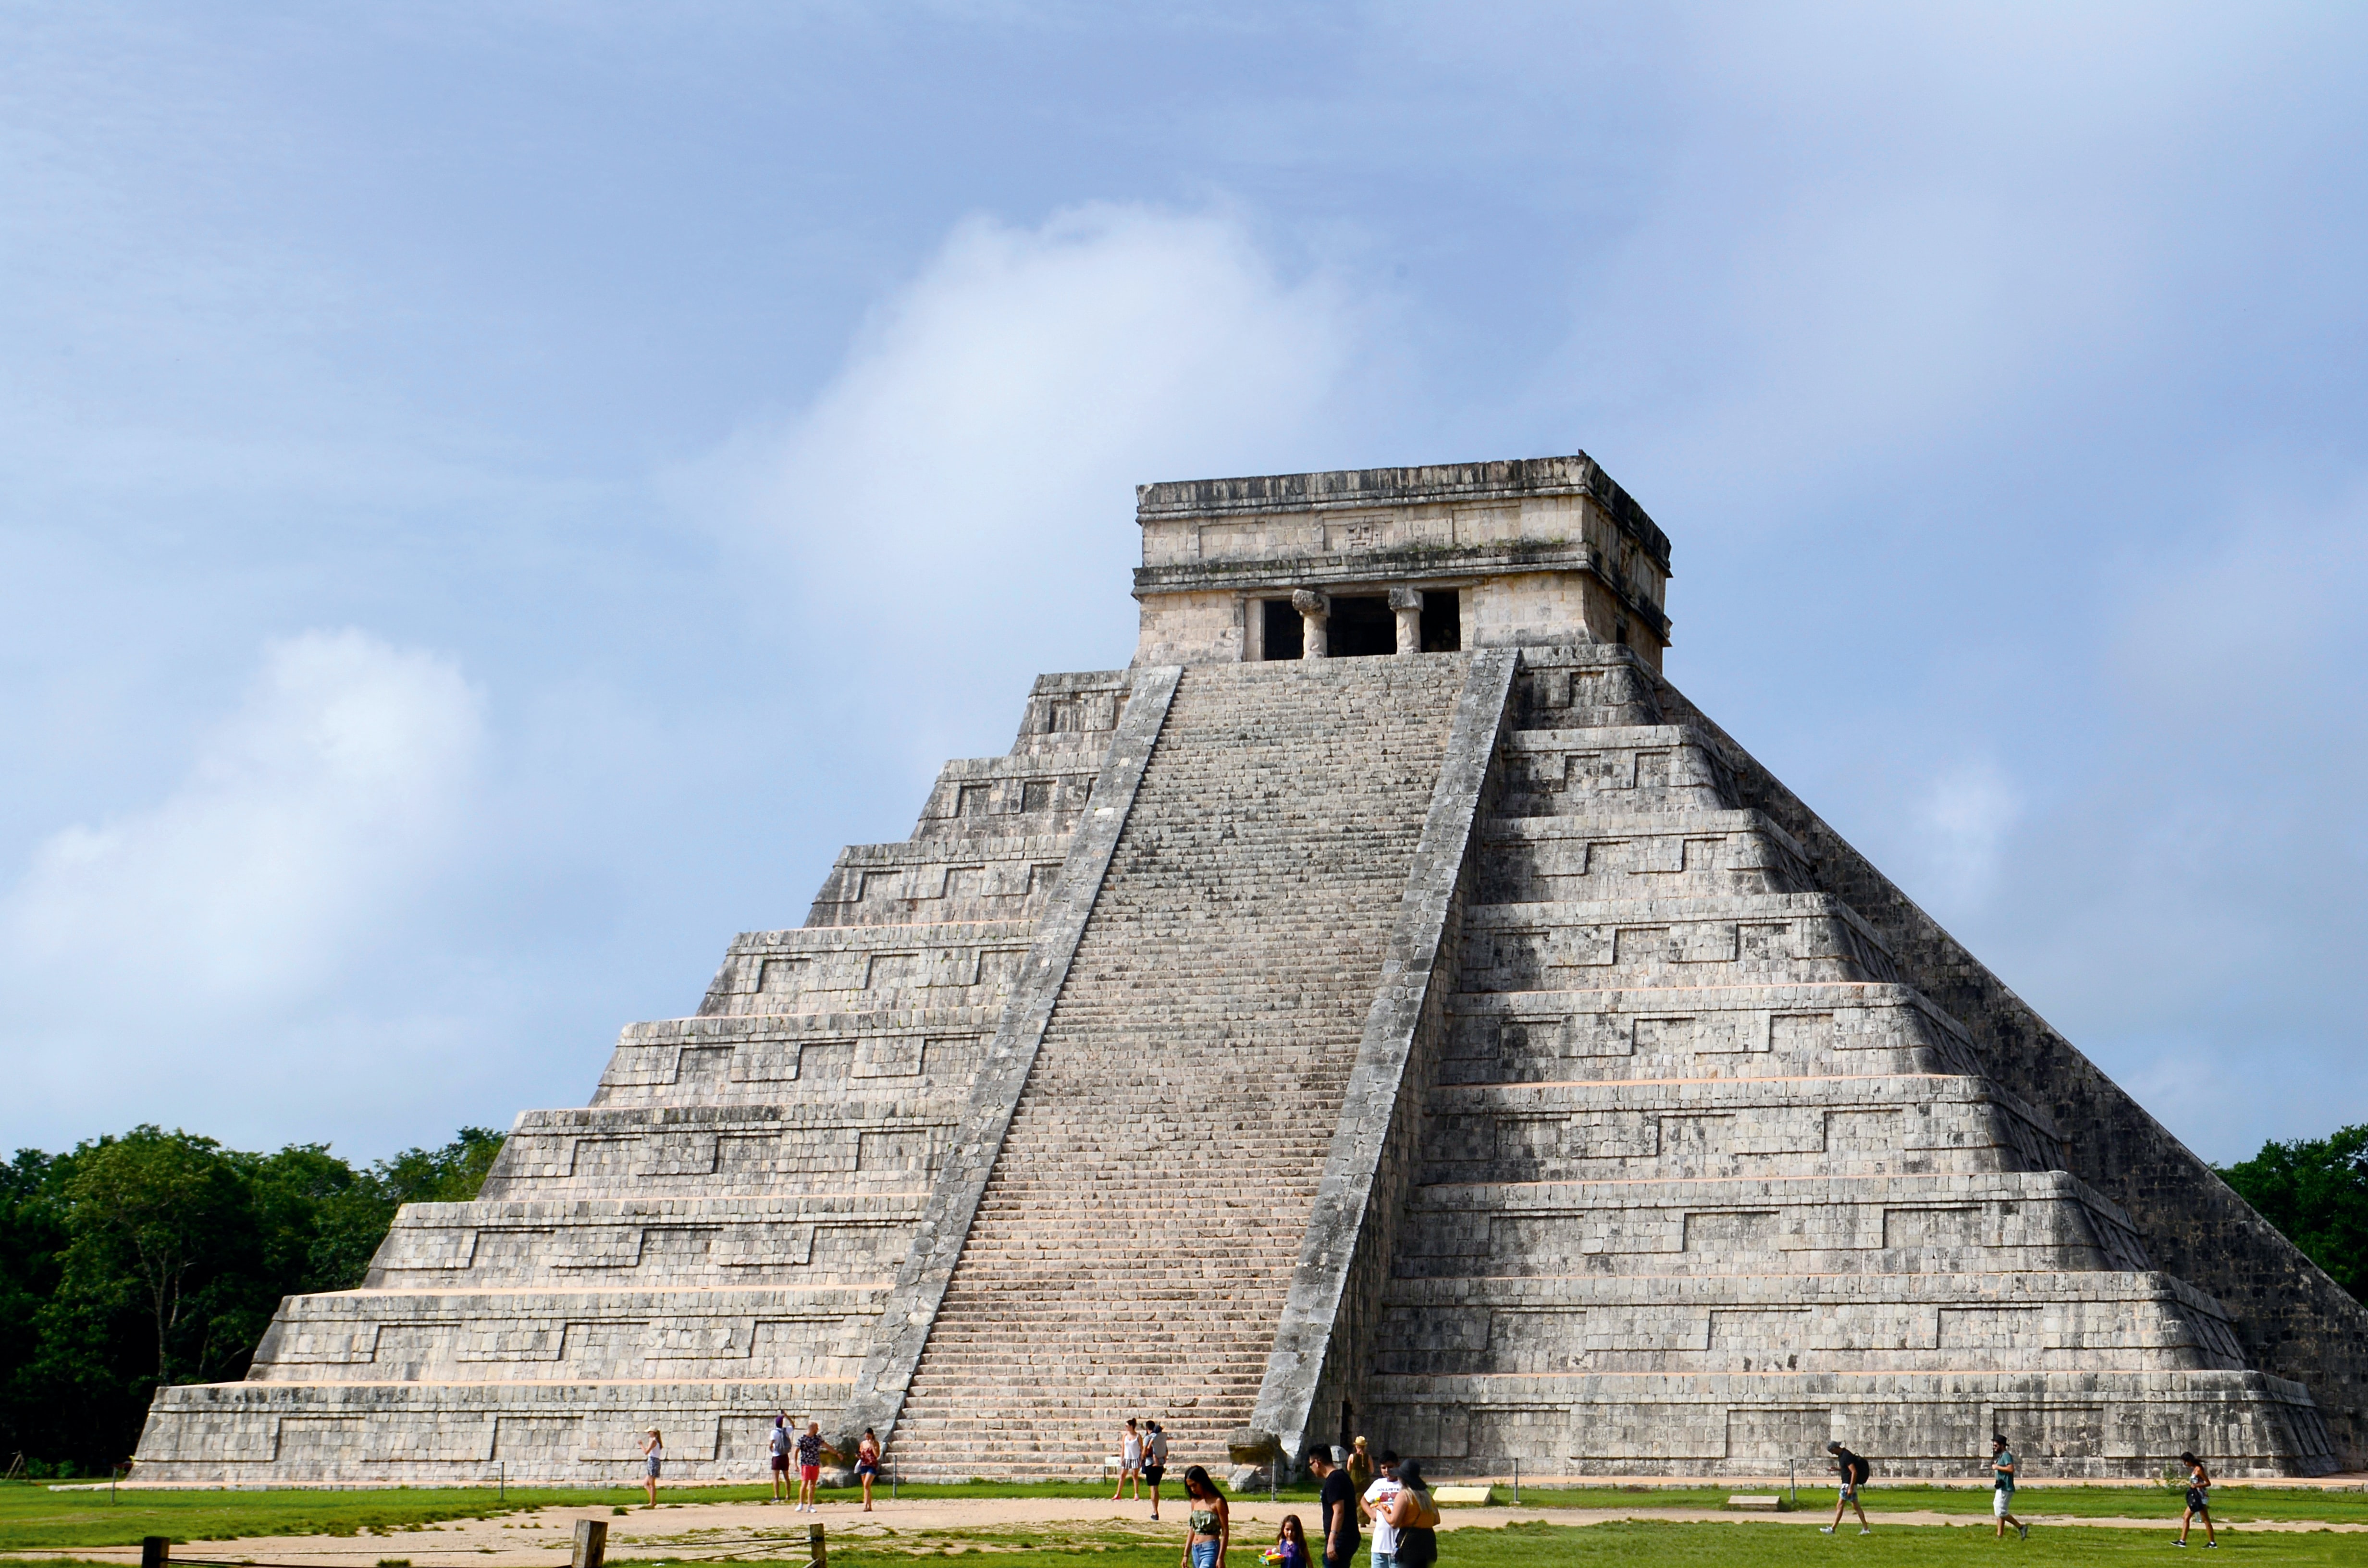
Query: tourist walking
(1376, 1506)
(1854, 1472)
(867, 1463)
(1155, 1460)
(653, 1460)
(1290, 1545)
(1335, 1509)
(2002, 1471)
(1129, 1460)
(1415, 1517)
(1212, 1531)
(810, 1451)
(778, 1445)
(2199, 1500)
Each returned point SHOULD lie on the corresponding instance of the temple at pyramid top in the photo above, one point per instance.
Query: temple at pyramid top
(1530, 553)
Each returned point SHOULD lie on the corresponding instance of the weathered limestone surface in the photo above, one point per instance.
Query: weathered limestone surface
(1473, 1047)
(1706, 1180)
(714, 1237)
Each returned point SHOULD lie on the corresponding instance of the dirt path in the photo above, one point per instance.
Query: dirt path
(713, 1529)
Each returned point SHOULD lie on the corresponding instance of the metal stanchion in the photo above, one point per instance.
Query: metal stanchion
(1517, 1480)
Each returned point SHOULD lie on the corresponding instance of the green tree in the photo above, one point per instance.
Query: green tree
(2316, 1191)
(161, 1257)
(157, 1216)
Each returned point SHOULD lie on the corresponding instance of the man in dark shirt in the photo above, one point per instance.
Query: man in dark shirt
(1337, 1507)
(1853, 1471)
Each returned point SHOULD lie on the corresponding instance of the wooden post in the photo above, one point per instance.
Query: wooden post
(591, 1544)
(816, 1551)
(156, 1550)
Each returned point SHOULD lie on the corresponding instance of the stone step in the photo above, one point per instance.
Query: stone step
(2057, 1321)
(1645, 1032)
(1840, 1127)
(885, 1057)
(1144, 1212)
(1978, 1221)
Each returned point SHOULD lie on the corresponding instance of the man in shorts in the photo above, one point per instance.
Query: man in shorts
(810, 1452)
(1336, 1508)
(2002, 1467)
(779, 1444)
(1853, 1471)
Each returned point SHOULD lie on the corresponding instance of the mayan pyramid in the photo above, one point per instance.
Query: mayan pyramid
(1387, 1004)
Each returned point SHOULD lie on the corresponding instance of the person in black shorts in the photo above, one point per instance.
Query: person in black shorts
(1155, 1460)
(779, 1443)
(2199, 1500)
(1336, 1510)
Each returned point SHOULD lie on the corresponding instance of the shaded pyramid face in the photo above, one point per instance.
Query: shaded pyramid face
(1706, 1181)
(1390, 1008)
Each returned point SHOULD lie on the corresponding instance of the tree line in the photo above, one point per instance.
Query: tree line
(158, 1257)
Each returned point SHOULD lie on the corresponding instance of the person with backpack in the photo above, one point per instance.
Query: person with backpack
(779, 1444)
(1855, 1472)
(1155, 1460)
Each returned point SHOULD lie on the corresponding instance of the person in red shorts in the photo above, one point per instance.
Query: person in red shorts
(811, 1449)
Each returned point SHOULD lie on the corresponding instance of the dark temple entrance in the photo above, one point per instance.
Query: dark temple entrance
(1285, 634)
(1442, 621)
(1363, 626)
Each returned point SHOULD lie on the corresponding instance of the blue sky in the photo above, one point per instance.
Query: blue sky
(493, 496)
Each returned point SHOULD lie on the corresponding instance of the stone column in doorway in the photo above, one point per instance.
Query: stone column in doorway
(1407, 603)
(1315, 611)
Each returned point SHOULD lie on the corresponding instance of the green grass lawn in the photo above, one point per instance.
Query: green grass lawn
(1664, 1545)
(33, 1517)
(2238, 1503)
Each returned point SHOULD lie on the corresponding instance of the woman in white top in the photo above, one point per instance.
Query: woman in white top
(1130, 1461)
(653, 1460)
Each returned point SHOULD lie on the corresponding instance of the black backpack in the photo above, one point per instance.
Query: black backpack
(1861, 1472)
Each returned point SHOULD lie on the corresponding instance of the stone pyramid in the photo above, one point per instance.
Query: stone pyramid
(1388, 1005)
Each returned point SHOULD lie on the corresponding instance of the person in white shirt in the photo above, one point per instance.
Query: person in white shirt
(1130, 1461)
(1375, 1505)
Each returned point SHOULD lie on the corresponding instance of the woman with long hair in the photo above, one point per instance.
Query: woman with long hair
(2199, 1500)
(653, 1461)
(1415, 1517)
(867, 1463)
(1212, 1526)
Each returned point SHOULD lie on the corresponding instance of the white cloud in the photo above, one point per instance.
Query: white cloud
(1965, 817)
(970, 470)
(313, 814)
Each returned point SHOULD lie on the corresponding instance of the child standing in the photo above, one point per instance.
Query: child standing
(1291, 1546)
